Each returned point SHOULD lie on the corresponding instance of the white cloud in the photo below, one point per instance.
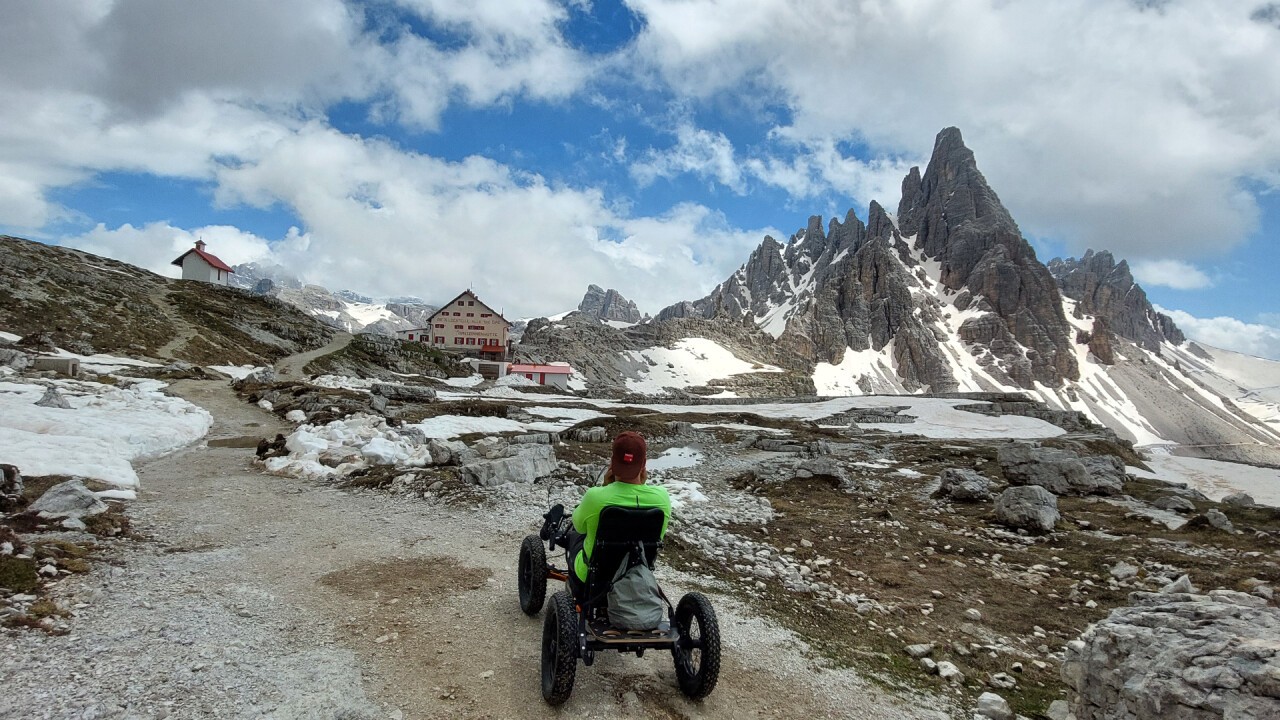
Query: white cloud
(1230, 334)
(155, 245)
(1110, 124)
(1170, 273)
(699, 152)
(389, 222)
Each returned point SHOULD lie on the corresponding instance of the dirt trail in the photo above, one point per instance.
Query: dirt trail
(262, 596)
(186, 331)
(291, 367)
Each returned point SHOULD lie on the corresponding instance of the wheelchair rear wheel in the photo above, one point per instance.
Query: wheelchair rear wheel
(559, 649)
(532, 578)
(697, 652)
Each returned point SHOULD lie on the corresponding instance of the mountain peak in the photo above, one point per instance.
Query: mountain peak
(608, 305)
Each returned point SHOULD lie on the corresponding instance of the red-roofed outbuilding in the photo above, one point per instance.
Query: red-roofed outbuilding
(557, 375)
(197, 264)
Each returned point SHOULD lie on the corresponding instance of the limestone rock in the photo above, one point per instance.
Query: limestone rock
(404, 393)
(53, 399)
(1239, 500)
(1106, 289)
(593, 434)
(1058, 471)
(1190, 657)
(1029, 507)
(608, 305)
(519, 464)
(965, 485)
(1219, 520)
(11, 487)
(68, 499)
(15, 359)
(1176, 503)
(991, 705)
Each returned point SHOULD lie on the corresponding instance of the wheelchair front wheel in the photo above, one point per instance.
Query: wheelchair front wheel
(532, 575)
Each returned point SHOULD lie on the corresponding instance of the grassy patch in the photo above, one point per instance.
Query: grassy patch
(18, 574)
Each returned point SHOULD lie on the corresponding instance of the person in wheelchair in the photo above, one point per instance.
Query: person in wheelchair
(634, 596)
(613, 601)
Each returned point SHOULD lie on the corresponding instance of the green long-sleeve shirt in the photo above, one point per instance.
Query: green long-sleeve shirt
(586, 517)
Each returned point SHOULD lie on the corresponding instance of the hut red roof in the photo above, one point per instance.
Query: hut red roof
(207, 257)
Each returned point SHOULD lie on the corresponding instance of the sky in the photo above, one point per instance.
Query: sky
(528, 148)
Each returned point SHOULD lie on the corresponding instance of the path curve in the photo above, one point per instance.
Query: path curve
(291, 368)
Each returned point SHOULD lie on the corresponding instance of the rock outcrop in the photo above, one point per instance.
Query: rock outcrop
(1106, 290)
(1179, 656)
(69, 499)
(1027, 507)
(608, 305)
(1060, 472)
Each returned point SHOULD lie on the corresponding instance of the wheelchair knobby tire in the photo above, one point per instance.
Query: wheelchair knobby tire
(532, 575)
(697, 672)
(559, 649)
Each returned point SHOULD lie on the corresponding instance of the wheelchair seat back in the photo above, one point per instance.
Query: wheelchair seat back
(622, 531)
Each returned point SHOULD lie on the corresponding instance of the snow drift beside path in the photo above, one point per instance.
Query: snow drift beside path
(104, 431)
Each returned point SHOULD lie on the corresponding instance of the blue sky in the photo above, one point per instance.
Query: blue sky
(527, 148)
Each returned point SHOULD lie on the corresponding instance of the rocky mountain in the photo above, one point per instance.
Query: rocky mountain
(1106, 290)
(951, 284)
(608, 305)
(346, 310)
(947, 296)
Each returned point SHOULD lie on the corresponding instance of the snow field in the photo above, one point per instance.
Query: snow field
(106, 429)
(1214, 478)
(693, 361)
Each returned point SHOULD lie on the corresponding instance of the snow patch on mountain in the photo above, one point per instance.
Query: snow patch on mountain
(691, 362)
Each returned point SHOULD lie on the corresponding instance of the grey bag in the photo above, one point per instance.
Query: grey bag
(634, 602)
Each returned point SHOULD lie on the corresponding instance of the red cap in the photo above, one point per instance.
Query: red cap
(628, 456)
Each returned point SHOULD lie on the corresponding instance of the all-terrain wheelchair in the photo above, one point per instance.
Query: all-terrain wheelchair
(575, 629)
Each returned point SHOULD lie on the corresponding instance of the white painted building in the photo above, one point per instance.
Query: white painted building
(199, 265)
(556, 374)
(464, 324)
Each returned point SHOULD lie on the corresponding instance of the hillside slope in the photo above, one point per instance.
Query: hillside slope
(93, 304)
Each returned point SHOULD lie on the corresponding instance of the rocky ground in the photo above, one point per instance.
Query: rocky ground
(857, 573)
(248, 595)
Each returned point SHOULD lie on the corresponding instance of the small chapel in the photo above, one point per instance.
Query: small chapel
(198, 264)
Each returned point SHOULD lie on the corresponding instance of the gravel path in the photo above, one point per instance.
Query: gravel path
(291, 367)
(267, 597)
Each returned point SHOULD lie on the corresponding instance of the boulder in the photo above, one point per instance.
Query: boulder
(446, 452)
(991, 705)
(1059, 471)
(1239, 500)
(68, 499)
(523, 464)
(404, 393)
(15, 359)
(1175, 503)
(1183, 656)
(53, 399)
(593, 434)
(965, 485)
(1028, 507)
(824, 467)
(1219, 520)
(11, 487)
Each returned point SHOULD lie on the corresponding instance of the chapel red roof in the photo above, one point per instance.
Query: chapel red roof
(207, 257)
